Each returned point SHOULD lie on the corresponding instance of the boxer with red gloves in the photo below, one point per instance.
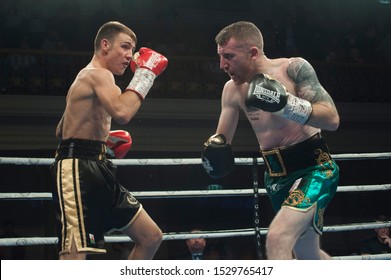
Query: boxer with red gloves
(91, 200)
(146, 65)
(118, 143)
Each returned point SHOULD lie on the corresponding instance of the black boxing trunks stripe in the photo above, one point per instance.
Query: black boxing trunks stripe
(73, 229)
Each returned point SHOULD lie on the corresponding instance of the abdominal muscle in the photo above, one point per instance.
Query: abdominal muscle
(274, 131)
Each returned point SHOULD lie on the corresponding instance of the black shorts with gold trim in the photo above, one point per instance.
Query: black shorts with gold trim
(91, 201)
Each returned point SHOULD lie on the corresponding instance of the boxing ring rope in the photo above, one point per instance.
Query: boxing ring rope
(26, 241)
(184, 161)
(193, 193)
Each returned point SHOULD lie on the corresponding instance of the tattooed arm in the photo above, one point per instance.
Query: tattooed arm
(324, 113)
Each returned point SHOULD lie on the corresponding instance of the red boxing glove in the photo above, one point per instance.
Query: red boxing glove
(118, 143)
(146, 65)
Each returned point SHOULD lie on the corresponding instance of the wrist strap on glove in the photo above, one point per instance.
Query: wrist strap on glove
(297, 109)
(142, 82)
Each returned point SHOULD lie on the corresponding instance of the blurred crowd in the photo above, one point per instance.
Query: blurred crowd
(45, 43)
(165, 29)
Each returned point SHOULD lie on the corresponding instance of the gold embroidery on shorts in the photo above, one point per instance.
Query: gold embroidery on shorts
(323, 157)
(295, 198)
(329, 173)
(320, 217)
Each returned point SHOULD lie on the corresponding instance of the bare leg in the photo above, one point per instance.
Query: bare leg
(307, 247)
(285, 230)
(146, 236)
(325, 256)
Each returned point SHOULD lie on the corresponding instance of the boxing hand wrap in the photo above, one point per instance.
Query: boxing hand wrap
(118, 143)
(296, 109)
(217, 157)
(269, 95)
(146, 65)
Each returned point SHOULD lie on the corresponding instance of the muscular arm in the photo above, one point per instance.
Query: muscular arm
(229, 115)
(324, 113)
(120, 106)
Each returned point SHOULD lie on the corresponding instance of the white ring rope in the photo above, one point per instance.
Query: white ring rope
(145, 194)
(384, 155)
(192, 193)
(26, 241)
(365, 257)
(183, 161)
(356, 226)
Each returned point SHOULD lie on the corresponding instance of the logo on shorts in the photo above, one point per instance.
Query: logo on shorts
(274, 188)
(295, 198)
(92, 238)
(132, 200)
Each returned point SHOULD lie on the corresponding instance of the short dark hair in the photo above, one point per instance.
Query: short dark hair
(243, 31)
(110, 30)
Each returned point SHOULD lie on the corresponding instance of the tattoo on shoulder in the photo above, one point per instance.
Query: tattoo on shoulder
(307, 84)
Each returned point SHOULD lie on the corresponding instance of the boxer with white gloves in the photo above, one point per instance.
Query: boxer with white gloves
(91, 200)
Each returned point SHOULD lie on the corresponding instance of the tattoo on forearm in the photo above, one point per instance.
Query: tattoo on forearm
(307, 83)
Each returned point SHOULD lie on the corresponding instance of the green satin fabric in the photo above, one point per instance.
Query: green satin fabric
(314, 186)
